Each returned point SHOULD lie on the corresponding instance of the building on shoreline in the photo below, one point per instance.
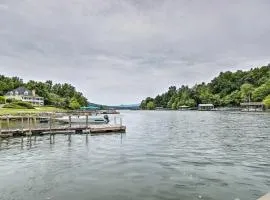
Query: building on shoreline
(205, 107)
(252, 106)
(23, 94)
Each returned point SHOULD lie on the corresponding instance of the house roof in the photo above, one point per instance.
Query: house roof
(20, 91)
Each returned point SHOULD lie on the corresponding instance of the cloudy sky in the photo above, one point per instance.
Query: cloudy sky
(120, 51)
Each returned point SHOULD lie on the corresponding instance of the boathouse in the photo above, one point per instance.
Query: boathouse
(252, 106)
(205, 107)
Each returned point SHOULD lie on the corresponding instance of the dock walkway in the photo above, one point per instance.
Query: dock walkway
(31, 127)
(105, 128)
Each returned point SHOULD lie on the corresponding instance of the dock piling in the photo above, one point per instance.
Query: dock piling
(50, 138)
(69, 120)
(35, 120)
(8, 122)
(28, 122)
(69, 137)
(0, 126)
(30, 126)
(50, 127)
(50, 124)
(86, 121)
(86, 138)
(22, 125)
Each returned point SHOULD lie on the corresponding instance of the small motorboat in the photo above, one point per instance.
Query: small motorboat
(82, 119)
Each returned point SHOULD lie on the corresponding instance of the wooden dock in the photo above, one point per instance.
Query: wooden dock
(105, 128)
(31, 127)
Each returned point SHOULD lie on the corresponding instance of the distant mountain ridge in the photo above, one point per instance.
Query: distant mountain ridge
(129, 105)
(122, 106)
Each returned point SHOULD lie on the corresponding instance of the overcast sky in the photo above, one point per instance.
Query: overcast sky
(121, 51)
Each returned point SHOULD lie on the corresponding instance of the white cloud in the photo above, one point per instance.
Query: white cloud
(120, 51)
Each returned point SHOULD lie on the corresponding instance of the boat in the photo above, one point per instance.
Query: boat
(82, 119)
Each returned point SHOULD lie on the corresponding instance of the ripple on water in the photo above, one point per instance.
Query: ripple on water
(163, 155)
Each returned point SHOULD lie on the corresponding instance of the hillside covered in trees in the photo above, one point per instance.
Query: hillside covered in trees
(59, 95)
(227, 89)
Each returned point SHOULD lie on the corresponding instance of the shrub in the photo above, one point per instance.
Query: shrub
(25, 104)
(267, 102)
(74, 104)
(19, 105)
(2, 100)
(9, 100)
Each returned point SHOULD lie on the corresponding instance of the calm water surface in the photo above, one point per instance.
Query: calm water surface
(163, 155)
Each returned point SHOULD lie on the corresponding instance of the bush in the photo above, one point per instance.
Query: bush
(19, 105)
(9, 100)
(2, 100)
(25, 104)
(266, 102)
(74, 104)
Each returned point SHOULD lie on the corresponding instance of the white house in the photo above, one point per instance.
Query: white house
(23, 94)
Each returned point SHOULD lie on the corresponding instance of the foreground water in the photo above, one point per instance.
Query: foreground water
(163, 155)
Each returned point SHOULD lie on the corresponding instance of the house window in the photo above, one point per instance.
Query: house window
(26, 93)
(16, 93)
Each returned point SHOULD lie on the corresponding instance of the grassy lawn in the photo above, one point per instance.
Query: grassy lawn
(10, 111)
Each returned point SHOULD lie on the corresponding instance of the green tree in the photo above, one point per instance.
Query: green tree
(74, 104)
(174, 106)
(158, 101)
(233, 99)
(227, 89)
(246, 91)
(266, 101)
(143, 105)
(261, 92)
(150, 105)
(190, 102)
(215, 99)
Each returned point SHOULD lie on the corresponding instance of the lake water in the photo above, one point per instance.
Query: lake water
(164, 155)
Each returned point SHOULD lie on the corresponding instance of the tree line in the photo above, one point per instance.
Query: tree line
(227, 89)
(59, 95)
